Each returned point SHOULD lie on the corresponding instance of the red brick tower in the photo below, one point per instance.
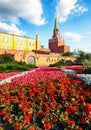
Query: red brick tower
(57, 44)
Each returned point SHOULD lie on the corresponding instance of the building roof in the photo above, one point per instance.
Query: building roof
(76, 53)
(12, 34)
(56, 23)
(44, 49)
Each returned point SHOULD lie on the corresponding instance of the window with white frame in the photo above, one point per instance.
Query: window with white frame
(19, 41)
(2, 39)
(5, 47)
(5, 39)
(31, 43)
(8, 40)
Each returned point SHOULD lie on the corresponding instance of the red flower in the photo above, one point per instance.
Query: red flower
(26, 119)
(71, 122)
(82, 98)
(40, 113)
(88, 107)
(31, 94)
(2, 112)
(30, 115)
(53, 99)
(6, 117)
(32, 128)
(63, 97)
(51, 92)
(71, 110)
(46, 106)
(53, 106)
(52, 87)
(87, 94)
(74, 102)
(8, 97)
(83, 120)
(24, 109)
(55, 119)
(17, 126)
(48, 125)
(89, 114)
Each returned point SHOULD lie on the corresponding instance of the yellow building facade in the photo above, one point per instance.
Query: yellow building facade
(15, 42)
(29, 50)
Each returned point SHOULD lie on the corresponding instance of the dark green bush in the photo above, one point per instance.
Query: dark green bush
(6, 58)
(31, 66)
(62, 63)
(9, 67)
(15, 67)
(57, 64)
(69, 62)
(87, 71)
(8, 64)
(21, 63)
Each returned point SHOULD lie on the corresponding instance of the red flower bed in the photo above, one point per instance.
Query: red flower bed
(40, 74)
(42, 100)
(78, 68)
(7, 75)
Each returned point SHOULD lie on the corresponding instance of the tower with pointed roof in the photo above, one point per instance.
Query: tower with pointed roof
(57, 43)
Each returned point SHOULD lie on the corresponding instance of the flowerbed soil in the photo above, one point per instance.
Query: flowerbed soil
(47, 99)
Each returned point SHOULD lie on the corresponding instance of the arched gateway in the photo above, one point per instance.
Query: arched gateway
(31, 60)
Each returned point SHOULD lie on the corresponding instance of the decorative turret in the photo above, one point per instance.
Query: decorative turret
(37, 42)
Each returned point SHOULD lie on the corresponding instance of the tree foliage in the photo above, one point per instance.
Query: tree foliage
(67, 54)
(84, 59)
(6, 58)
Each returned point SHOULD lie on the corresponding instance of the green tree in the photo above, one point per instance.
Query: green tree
(87, 63)
(67, 54)
(6, 58)
(88, 56)
(81, 58)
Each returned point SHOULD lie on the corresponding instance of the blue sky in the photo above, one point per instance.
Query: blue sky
(31, 17)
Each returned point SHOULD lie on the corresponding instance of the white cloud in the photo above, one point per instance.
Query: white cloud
(86, 48)
(66, 7)
(12, 28)
(77, 41)
(89, 33)
(72, 36)
(79, 9)
(30, 10)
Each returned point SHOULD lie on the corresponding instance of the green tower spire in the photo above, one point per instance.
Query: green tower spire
(56, 23)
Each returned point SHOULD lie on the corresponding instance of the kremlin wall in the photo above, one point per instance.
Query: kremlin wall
(29, 50)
